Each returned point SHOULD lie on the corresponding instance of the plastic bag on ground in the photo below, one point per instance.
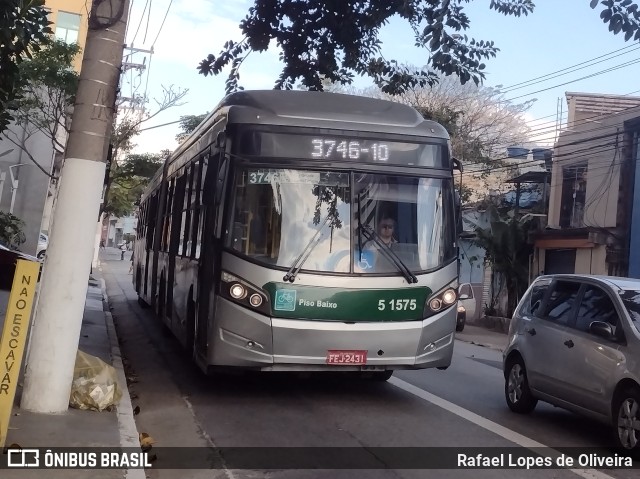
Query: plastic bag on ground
(94, 386)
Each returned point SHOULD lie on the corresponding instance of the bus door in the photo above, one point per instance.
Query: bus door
(174, 241)
(211, 244)
(150, 219)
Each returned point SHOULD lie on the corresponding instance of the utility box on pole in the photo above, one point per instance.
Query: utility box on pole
(65, 276)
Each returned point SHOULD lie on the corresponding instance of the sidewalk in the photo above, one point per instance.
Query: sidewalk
(483, 337)
(79, 428)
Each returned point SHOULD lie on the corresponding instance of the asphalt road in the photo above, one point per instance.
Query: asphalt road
(461, 407)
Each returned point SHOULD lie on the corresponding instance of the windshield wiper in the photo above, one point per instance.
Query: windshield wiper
(302, 257)
(391, 255)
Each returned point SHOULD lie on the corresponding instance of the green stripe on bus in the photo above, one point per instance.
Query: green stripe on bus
(339, 304)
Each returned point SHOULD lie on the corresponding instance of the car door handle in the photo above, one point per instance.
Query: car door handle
(568, 343)
(531, 331)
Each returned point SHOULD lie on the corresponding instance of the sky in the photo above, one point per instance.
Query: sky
(559, 34)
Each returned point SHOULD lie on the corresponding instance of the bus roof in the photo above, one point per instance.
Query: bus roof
(327, 110)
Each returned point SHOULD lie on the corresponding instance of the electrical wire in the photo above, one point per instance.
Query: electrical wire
(571, 69)
(162, 24)
(607, 70)
(146, 29)
(140, 23)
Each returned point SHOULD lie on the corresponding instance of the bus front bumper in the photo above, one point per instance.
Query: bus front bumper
(246, 339)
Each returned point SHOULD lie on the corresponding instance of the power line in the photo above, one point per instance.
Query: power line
(570, 69)
(140, 23)
(617, 67)
(162, 24)
(146, 29)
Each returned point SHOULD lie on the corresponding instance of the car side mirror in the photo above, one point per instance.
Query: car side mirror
(602, 329)
(463, 296)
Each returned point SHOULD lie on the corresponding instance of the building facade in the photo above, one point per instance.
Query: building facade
(25, 190)
(593, 183)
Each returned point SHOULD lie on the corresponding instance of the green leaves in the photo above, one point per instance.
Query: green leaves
(622, 16)
(188, 123)
(23, 27)
(128, 180)
(323, 41)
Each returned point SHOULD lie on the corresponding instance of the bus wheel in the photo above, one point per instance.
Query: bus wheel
(190, 327)
(143, 304)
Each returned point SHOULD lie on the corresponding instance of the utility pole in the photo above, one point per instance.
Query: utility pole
(64, 281)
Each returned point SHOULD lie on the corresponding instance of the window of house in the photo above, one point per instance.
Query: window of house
(574, 190)
(562, 301)
(67, 27)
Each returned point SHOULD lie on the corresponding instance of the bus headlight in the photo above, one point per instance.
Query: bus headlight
(441, 301)
(243, 293)
(237, 291)
(255, 300)
(449, 297)
(435, 304)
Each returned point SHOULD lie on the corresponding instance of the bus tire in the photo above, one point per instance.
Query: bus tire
(143, 304)
(190, 327)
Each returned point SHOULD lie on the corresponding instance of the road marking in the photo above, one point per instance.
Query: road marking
(491, 426)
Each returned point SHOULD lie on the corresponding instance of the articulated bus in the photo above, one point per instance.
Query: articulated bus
(305, 231)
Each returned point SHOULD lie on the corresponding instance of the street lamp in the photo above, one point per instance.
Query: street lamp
(3, 175)
(14, 184)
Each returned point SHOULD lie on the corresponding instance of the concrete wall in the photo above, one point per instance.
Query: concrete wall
(32, 183)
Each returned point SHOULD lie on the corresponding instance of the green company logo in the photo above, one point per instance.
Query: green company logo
(285, 300)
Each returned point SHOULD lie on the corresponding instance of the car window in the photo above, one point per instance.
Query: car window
(631, 301)
(561, 301)
(466, 289)
(530, 304)
(596, 305)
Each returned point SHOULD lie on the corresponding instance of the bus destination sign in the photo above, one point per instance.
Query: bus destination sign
(341, 148)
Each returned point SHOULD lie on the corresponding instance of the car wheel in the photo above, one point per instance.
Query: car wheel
(516, 388)
(626, 417)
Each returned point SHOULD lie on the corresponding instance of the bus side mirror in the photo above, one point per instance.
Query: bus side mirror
(457, 164)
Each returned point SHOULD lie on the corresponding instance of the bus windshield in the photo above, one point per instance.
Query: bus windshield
(278, 213)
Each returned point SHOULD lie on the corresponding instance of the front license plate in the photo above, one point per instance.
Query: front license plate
(346, 357)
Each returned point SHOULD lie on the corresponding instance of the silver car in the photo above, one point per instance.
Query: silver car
(574, 341)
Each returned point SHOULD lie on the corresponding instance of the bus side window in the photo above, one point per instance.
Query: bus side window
(167, 218)
(185, 227)
(195, 210)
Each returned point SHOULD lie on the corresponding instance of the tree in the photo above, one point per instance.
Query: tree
(321, 40)
(336, 40)
(622, 16)
(129, 181)
(23, 27)
(507, 249)
(188, 124)
(481, 122)
(126, 128)
(45, 101)
(11, 234)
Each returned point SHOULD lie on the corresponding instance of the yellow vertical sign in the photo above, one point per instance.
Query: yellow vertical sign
(14, 337)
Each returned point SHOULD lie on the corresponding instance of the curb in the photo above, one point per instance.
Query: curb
(129, 436)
